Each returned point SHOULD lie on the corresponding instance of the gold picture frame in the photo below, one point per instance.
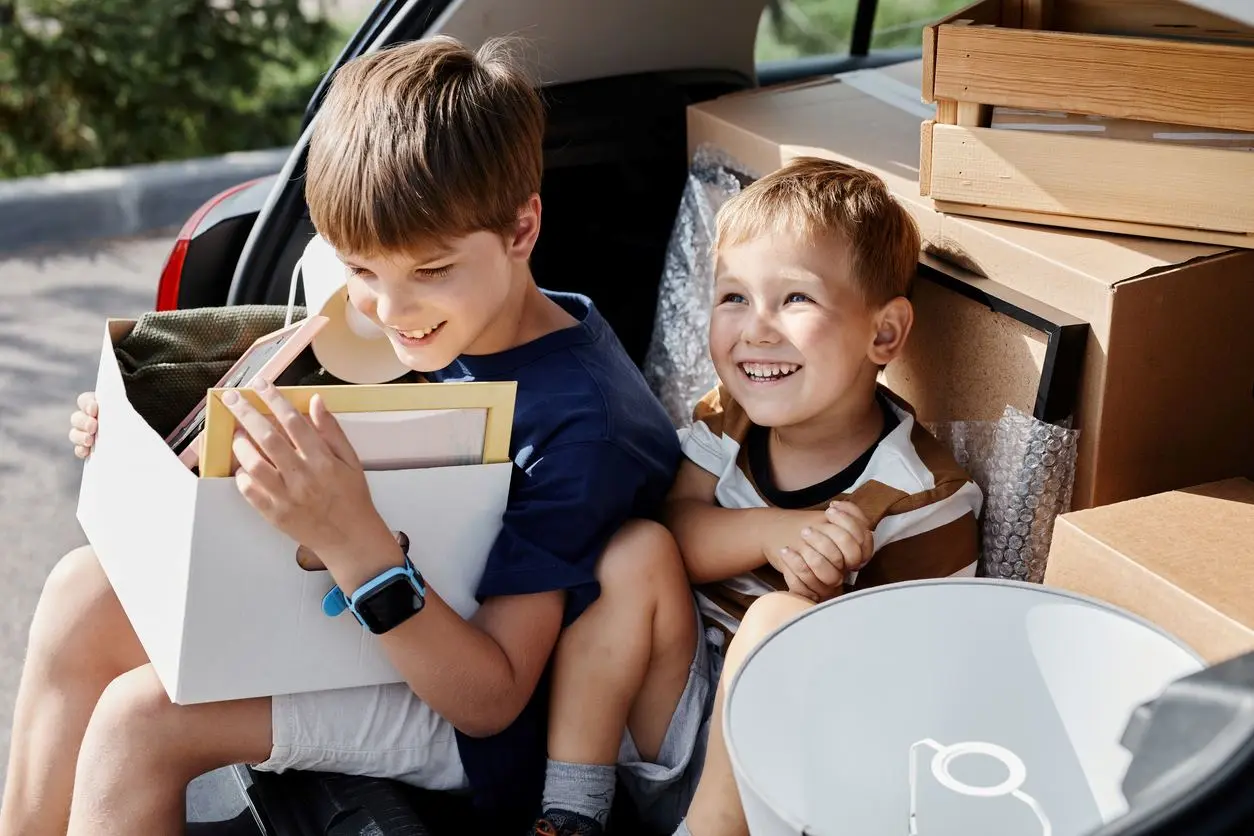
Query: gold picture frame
(496, 397)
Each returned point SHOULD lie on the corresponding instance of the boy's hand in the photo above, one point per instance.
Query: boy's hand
(300, 473)
(837, 542)
(84, 423)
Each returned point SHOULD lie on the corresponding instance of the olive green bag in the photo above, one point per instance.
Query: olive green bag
(170, 358)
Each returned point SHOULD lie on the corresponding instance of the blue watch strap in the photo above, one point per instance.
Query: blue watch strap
(335, 602)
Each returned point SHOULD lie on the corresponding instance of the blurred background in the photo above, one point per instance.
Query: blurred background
(87, 83)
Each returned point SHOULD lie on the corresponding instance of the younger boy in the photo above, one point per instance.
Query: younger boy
(803, 478)
(424, 171)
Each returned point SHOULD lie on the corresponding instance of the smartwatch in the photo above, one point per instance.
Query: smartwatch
(383, 603)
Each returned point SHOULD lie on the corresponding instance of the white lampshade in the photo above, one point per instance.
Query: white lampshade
(955, 707)
(350, 346)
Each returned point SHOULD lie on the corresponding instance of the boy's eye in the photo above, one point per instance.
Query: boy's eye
(797, 298)
(360, 272)
(733, 299)
(434, 272)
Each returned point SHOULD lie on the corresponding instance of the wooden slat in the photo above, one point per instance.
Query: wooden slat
(929, 64)
(1149, 18)
(1171, 233)
(1140, 182)
(925, 157)
(972, 115)
(1130, 78)
(947, 112)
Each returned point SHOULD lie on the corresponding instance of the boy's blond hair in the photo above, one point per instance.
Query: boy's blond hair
(423, 142)
(812, 197)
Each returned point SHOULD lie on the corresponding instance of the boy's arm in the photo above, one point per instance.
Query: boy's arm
(480, 674)
(720, 543)
(477, 674)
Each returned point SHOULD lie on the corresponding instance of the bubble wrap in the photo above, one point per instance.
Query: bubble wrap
(677, 365)
(1025, 467)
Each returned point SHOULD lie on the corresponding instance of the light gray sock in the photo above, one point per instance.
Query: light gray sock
(586, 789)
(682, 830)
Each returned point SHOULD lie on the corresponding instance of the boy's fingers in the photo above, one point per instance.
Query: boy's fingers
(332, 432)
(82, 452)
(295, 425)
(857, 528)
(255, 465)
(87, 403)
(82, 439)
(822, 566)
(83, 421)
(849, 544)
(805, 578)
(850, 509)
(271, 441)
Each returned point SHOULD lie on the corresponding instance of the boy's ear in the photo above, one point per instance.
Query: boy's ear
(892, 327)
(522, 239)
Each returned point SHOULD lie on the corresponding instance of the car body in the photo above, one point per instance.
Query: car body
(617, 81)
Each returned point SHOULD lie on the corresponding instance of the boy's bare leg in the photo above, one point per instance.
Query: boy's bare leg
(141, 751)
(624, 662)
(716, 808)
(80, 641)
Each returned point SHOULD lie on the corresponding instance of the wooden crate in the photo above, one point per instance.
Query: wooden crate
(1130, 67)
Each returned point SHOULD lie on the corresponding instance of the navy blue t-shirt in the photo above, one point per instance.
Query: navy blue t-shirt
(592, 448)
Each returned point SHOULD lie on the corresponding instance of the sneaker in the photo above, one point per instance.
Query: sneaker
(562, 823)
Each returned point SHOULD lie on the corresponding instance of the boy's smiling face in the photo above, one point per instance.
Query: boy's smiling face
(791, 335)
(444, 300)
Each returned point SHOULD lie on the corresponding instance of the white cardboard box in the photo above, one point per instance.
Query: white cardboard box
(214, 592)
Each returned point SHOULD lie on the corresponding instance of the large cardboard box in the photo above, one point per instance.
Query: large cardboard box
(214, 592)
(1182, 559)
(1166, 392)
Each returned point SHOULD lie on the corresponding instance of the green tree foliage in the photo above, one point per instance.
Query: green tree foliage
(112, 82)
(797, 28)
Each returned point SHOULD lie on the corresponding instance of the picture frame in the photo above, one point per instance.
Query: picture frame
(494, 398)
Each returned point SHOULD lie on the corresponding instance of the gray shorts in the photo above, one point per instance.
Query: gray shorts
(383, 731)
(663, 790)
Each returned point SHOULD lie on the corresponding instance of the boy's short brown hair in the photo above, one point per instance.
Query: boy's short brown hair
(423, 142)
(812, 197)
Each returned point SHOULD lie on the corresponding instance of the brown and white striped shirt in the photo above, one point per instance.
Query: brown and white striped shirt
(922, 505)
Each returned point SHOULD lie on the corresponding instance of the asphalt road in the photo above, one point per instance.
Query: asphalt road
(52, 309)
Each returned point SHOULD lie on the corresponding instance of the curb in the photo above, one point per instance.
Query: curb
(116, 202)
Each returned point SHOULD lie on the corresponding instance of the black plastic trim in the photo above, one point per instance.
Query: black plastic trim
(863, 27)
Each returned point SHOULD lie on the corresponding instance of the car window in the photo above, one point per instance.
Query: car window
(804, 28)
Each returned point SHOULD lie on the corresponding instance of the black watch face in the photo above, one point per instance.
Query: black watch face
(389, 605)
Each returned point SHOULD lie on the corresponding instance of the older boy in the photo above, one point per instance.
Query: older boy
(803, 478)
(424, 172)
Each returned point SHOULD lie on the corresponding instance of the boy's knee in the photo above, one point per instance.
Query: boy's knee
(72, 594)
(642, 555)
(134, 712)
(768, 613)
(76, 577)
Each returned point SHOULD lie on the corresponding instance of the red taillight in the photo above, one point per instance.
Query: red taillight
(172, 273)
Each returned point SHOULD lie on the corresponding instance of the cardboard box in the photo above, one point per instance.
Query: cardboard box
(1165, 122)
(1183, 559)
(1166, 395)
(214, 592)
(962, 320)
